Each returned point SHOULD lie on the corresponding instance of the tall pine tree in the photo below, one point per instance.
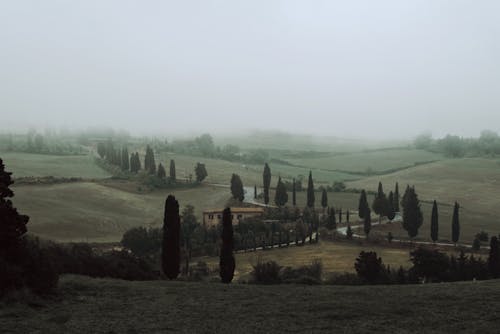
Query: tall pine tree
(363, 204)
(266, 178)
(281, 196)
(434, 222)
(171, 239)
(227, 263)
(294, 194)
(324, 199)
(173, 176)
(412, 214)
(455, 224)
(310, 191)
(162, 174)
(396, 198)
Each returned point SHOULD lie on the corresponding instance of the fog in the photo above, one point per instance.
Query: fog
(348, 69)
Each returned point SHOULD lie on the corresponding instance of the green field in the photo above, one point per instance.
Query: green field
(335, 257)
(474, 183)
(372, 161)
(220, 171)
(86, 305)
(96, 213)
(39, 165)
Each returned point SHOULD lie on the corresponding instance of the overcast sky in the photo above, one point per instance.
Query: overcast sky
(340, 68)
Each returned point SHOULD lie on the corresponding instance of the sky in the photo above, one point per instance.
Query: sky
(352, 69)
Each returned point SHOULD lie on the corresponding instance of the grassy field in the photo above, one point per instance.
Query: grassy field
(373, 161)
(26, 164)
(474, 183)
(96, 213)
(335, 257)
(220, 171)
(86, 305)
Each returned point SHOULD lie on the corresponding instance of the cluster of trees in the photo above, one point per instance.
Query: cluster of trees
(35, 142)
(132, 163)
(488, 144)
(430, 265)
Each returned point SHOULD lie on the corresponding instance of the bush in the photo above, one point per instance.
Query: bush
(369, 267)
(344, 279)
(308, 274)
(266, 272)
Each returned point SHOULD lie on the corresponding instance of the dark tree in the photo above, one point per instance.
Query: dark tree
(340, 216)
(391, 212)
(237, 188)
(476, 244)
(162, 174)
(266, 176)
(405, 196)
(363, 204)
(173, 176)
(294, 194)
(455, 224)
(135, 163)
(201, 172)
(281, 196)
(434, 222)
(12, 224)
(310, 191)
(367, 222)
(396, 198)
(125, 159)
(494, 258)
(331, 222)
(347, 214)
(149, 161)
(369, 267)
(324, 199)
(254, 191)
(171, 239)
(380, 203)
(412, 214)
(227, 262)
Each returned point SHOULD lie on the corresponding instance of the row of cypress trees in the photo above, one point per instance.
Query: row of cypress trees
(170, 257)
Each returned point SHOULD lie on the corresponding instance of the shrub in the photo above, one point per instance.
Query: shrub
(369, 267)
(344, 279)
(266, 272)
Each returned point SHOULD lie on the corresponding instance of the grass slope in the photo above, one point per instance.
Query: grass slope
(474, 183)
(96, 213)
(374, 161)
(26, 164)
(87, 305)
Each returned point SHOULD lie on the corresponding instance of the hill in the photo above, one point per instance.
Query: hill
(86, 305)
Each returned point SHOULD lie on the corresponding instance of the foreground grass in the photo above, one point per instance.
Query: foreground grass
(85, 305)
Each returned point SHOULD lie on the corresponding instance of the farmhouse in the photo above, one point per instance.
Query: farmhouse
(214, 217)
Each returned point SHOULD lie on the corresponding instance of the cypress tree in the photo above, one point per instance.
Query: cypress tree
(125, 159)
(380, 203)
(294, 194)
(255, 191)
(171, 239)
(405, 195)
(434, 222)
(310, 191)
(281, 196)
(340, 216)
(367, 222)
(227, 262)
(331, 222)
(455, 224)
(266, 176)
(347, 216)
(173, 176)
(391, 212)
(132, 163)
(324, 199)
(494, 258)
(395, 202)
(363, 204)
(237, 188)
(147, 159)
(412, 214)
(162, 174)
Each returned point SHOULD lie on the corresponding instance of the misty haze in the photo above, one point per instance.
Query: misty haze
(249, 166)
